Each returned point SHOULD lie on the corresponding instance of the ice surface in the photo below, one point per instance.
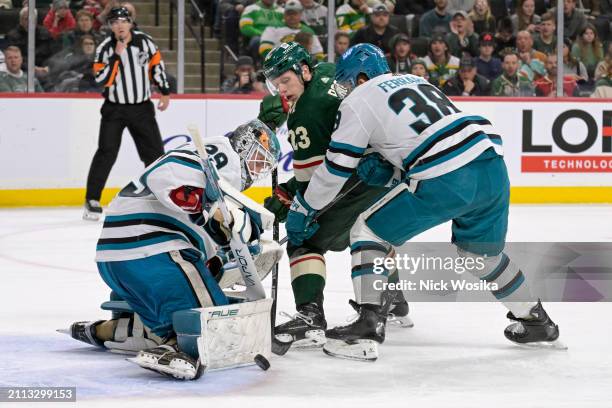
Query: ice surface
(455, 356)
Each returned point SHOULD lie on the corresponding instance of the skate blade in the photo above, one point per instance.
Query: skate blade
(314, 340)
(87, 216)
(360, 350)
(172, 370)
(67, 332)
(404, 322)
(546, 345)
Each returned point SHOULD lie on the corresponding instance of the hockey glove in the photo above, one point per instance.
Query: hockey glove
(299, 221)
(374, 170)
(279, 202)
(273, 111)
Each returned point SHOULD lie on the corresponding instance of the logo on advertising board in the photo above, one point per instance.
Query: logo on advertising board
(586, 146)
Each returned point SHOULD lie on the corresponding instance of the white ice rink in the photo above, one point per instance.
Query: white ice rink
(455, 356)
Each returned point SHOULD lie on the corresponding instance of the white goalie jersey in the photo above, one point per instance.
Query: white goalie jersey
(143, 220)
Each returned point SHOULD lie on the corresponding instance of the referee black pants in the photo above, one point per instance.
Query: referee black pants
(140, 121)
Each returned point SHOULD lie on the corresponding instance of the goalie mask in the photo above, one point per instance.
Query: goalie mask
(258, 148)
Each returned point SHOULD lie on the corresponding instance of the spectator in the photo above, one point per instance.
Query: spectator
(573, 20)
(15, 79)
(6, 4)
(572, 66)
(547, 85)
(588, 49)
(378, 32)
(45, 46)
(466, 81)
(75, 65)
(545, 40)
(341, 43)
(315, 17)
(487, 65)
(441, 65)
(461, 42)
(509, 83)
(602, 68)
(85, 22)
(504, 38)
(351, 16)
(97, 7)
(532, 61)
(273, 36)
(416, 7)
(59, 19)
(436, 20)
(399, 60)
(226, 22)
(525, 17)
(2, 62)
(419, 68)
(256, 18)
(244, 80)
(482, 18)
(464, 5)
(305, 40)
(603, 87)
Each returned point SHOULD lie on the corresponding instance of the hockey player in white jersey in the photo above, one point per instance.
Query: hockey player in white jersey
(160, 239)
(445, 165)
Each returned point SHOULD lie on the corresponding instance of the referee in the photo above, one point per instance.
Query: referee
(125, 64)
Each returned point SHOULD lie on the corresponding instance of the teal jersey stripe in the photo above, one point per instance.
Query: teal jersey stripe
(346, 146)
(433, 137)
(337, 172)
(170, 159)
(184, 228)
(454, 153)
(367, 271)
(508, 291)
(138, 244)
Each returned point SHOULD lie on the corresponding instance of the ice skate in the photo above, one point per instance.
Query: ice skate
(537, 331)
(358, 340)
(398, 313)
(85, 332)
(306, 328)
(93, 210)
(167, 360)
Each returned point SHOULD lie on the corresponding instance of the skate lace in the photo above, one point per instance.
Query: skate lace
(307, 319)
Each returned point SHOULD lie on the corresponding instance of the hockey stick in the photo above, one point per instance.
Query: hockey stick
(254, 288)
(275, 236)
(328, 206)
(240, 250)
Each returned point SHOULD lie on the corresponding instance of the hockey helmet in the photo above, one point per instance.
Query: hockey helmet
(285, 57)
(364, 59)
(258, 148)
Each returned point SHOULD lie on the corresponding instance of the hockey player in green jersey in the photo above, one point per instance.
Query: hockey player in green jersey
(313, 99)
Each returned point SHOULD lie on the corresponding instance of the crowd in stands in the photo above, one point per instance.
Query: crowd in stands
(66, 36)
(465, 47)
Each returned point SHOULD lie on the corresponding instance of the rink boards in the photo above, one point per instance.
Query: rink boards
(557, 151)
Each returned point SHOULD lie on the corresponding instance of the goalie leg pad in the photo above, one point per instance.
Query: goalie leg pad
(225, 336)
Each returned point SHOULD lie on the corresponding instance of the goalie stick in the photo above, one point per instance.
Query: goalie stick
(254, 288)
(240, 250)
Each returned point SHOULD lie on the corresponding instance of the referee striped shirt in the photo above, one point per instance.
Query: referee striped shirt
(127, 77)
